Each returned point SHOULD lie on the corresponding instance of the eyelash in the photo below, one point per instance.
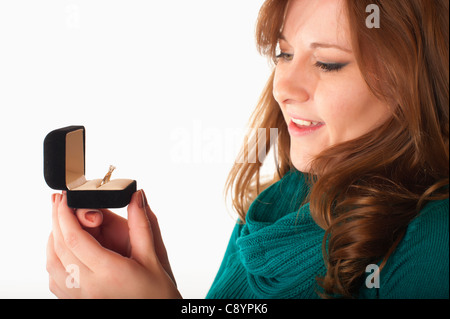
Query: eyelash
(284, 56)
(330, 67)
(326, 67)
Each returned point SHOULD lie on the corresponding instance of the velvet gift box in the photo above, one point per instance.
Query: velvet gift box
(64, 169)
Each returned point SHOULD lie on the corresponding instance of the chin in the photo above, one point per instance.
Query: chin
(301, 160)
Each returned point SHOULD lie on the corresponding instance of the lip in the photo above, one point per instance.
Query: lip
(295, 130)
(293, 116)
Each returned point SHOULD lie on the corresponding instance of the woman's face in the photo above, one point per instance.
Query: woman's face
(318, 85)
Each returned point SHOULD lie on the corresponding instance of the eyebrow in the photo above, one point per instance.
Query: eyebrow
(316, 45)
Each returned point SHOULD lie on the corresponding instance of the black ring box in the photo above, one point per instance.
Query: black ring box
(64, 169)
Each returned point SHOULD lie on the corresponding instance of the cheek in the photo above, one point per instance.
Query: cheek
(350, 113)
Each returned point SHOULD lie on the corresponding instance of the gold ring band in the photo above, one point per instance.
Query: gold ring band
(107, 177)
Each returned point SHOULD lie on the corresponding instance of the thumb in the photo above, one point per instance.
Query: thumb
(140, 231)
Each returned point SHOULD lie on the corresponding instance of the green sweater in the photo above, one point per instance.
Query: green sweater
(277, 253)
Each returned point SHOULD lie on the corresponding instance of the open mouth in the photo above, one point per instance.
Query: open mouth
(304, 124)
(303, 127)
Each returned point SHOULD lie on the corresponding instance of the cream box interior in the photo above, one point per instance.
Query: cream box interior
(64, 169)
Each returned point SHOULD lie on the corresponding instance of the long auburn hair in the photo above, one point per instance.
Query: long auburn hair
(365, 192)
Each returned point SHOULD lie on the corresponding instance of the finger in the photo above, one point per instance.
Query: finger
(83, 246)
(91, 221)
(89, 218)
(56, 289)
(160, 248)
(108, 228)
(56, 271)
(53, 265)
(60, 248)
(140, 232)
(114, 233)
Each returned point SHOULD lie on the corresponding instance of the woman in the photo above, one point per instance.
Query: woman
(362, 170)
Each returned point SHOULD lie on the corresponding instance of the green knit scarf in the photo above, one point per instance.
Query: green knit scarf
(280, 244)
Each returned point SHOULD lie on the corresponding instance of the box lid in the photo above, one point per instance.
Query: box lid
(64, 158)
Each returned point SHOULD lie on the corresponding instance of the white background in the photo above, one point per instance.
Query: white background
(162, 87)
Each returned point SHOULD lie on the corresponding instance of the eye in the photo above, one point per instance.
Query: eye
(329, 67)
(284, 56)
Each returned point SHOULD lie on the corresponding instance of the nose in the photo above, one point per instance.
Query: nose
(292, 83)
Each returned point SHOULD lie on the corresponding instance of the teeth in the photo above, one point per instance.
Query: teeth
(304, 123)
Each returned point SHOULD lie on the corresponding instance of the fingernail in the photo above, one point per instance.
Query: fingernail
(56, 198)
(91, 215)
(140, 199)
(53, 198)
(144, 198)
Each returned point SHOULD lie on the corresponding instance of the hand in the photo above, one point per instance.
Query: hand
(114, 258)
